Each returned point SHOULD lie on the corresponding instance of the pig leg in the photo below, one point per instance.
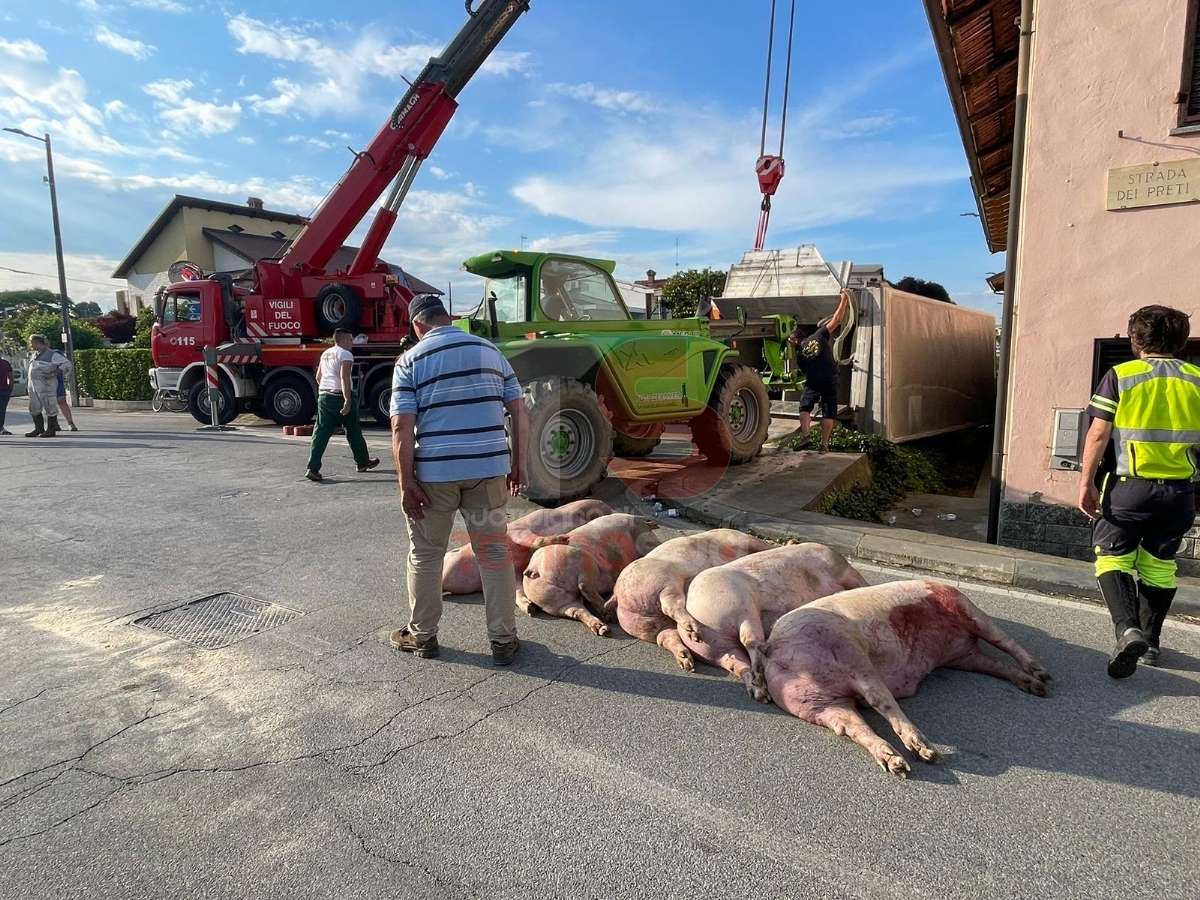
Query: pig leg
(593, 599)
(975, 660)
(875, 693)
(845, 720)
(981, 625)
(737, 664)
(673, 602)
(580, 613)
(670, 641)
(750, 633)
(524, 604)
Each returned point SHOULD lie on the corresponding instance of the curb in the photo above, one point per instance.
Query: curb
(121, 405)
(900, 548)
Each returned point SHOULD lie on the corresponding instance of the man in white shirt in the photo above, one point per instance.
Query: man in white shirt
(336, 406)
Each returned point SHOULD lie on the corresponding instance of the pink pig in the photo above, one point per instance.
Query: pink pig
(872, 645)
(737, 604)
(565, 579)
(460, 570)
(650, 595)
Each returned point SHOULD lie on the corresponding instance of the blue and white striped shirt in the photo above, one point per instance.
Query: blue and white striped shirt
(456, 385)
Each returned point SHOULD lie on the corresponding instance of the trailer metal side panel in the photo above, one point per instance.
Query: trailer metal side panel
(939, 369)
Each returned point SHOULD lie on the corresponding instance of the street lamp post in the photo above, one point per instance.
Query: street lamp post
(68, 340)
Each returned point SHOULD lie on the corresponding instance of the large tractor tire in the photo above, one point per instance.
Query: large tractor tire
(201, 411)
(641, 442)
(337, 306)
(569, 440)
(734, 426)
(289, 400)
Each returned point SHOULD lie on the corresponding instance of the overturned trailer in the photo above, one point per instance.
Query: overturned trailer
(911, 367)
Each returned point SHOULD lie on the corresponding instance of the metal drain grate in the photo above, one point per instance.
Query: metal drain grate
(219, 620)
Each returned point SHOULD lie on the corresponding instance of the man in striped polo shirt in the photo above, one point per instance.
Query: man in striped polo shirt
(449, 397)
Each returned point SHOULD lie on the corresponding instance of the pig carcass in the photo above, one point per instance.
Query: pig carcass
(736, 605)
(872, 645)
(565, 579)
(460, 570)
(650, 596)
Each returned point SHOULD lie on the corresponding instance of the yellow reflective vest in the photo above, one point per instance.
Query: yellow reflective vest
(1156, 428)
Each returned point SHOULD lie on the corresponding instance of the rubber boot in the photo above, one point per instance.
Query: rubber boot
(1121, 596)
(51, 427)
(1155, 604)
(39, 427)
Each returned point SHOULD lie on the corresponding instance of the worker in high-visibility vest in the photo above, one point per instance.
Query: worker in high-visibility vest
(1150, 408)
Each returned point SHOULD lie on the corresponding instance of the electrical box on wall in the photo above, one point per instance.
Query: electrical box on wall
(1070, 428)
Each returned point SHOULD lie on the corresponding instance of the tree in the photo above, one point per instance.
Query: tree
(923, 288)
(84, 336)
(36, 297)
(117, 327)
(684, 290)
(88, 310)
(145, 322)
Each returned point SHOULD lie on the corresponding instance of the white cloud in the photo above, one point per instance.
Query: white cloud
(308, 141)
(619, 101)
(25, 49)
(87, 276)
(440, 174)
(339, 70)
(692, 170)
(128, 46)
(118, 109)
(586, 244)
(169, 6)
(182, 113)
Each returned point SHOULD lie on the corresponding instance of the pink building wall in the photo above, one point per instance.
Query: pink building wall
(1099, 67)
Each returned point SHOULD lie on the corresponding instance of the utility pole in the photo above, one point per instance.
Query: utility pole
(67, 338)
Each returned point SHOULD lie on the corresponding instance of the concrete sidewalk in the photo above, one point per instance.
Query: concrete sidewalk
(727, 507)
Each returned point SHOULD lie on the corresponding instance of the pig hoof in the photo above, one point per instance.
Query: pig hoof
(929, 754)
(1039, 673)
(893, 763)
(601, 630)
(685, 662)
(759, 693)
(1036, 687)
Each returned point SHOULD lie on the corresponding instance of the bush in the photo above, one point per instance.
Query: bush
(896, 470)
(49, 324)
(145, 322)
(115, 374)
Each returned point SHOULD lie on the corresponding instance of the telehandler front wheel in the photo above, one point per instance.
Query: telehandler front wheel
(734, 426)
(569, 440)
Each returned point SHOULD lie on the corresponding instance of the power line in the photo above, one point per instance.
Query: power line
(44, 275)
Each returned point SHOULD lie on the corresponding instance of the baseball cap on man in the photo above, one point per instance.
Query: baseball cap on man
(430, 304)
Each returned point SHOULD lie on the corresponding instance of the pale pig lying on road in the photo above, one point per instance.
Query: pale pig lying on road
(460, 570)
(875, 644)
(737, 604)
(650, 595)
(564, 579)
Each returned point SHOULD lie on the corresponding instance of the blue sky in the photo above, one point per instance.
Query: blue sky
(612, 129)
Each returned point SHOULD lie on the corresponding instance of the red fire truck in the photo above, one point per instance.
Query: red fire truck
(269, 333)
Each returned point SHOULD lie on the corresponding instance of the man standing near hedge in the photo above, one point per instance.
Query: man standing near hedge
(44, 369)
(336, 406)
(6, 387)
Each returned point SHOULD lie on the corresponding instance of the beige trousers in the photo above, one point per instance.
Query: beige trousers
(482, 504)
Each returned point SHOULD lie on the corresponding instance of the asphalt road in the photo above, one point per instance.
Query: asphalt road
(311, 760)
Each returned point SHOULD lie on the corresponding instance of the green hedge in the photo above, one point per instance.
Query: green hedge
(114, 374)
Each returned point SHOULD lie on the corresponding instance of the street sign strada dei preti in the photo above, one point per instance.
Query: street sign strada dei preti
(1157, 184)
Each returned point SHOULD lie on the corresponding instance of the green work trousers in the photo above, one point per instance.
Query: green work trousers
(329, 417)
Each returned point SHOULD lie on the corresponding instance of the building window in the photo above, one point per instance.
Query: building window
(1189, 93)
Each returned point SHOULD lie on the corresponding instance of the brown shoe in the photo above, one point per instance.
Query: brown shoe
(368, 465)
(504, 653)
(405, 640)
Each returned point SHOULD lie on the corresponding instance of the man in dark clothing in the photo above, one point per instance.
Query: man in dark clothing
(6, 387)
(820, 376)
(1150, 408)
